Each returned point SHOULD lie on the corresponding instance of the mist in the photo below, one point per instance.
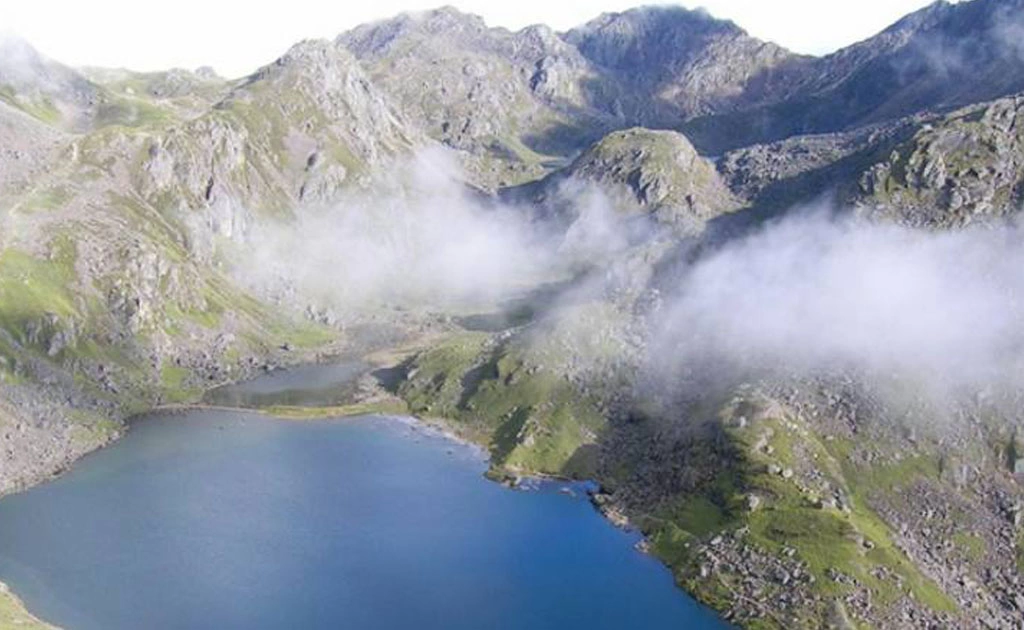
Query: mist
(816, 294)
(423, 240)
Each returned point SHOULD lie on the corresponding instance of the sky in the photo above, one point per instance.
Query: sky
(238, 36)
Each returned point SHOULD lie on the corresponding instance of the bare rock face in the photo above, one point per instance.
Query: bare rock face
(939, 58)
(26, 146)
(679, 64)
(298, 130)
(965, 168)
(512, 101)
(505, 100)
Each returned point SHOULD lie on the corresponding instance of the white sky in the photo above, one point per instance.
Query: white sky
(237, 36)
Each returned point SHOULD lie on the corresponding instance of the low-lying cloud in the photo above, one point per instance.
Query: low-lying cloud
(420, 240)
(813, 293)
(806, 295)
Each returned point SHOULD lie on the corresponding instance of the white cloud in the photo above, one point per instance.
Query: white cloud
(813, 294)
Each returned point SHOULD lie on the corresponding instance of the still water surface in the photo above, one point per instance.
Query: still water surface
(232, 520)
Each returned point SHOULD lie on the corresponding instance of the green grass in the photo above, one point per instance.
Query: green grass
(43, 110)
(435, 388)
(699, 516)
(972, 545)
(900, 475)
(14, 616)
(45, 199)
(547, 413)
(173, 380)
(29, 289)
(894, 478)
(532, 419)
(822, 538)
(303, 335)
(209, 318)
(90, 429)
(387, 407)
(127, 111)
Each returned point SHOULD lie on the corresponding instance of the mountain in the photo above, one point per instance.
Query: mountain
(518, 101)
(692, 64)
(629, 179)
(510, 101)
(939, 58)
(655, 173)
(109, 244)
(965, 168)
(44, 88)
(667, 67)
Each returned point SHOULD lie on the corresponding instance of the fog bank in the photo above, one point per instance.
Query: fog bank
(813, 293)
(421, 240)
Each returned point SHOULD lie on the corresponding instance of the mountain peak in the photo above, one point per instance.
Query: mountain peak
(20, 62)
(445, 17)
(378, 37)
(649, 37)
(660, 15)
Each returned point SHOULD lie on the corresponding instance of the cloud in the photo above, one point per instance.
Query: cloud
(813, 294)
(422, 240)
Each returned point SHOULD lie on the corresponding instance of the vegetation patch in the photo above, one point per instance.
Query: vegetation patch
(31, 288)
(173, 380)
(533, 420)
(388, 407)
(839, 544)
(971, 545)
(14, 615)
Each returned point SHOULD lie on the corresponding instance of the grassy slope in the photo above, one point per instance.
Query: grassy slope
(534, 422)
(531, 419)
(13, 615)
(850, 539)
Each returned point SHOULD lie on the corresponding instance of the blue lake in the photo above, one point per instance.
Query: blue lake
(230, 520)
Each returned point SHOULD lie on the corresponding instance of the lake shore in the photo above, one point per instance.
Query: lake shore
(371, 399)
(367, 469)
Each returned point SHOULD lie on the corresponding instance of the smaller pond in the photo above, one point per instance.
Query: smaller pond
(315, 385)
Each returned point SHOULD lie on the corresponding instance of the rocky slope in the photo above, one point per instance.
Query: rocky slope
(654, 174)
(111, 299)
(964, 168)
(941, 57)
(517, 101)
(509, 101)
(45, 89)
(783, 499)
(537, 94)
(694, 64)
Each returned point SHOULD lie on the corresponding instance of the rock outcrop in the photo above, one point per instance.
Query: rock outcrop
(656, 173)
(962, 169)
